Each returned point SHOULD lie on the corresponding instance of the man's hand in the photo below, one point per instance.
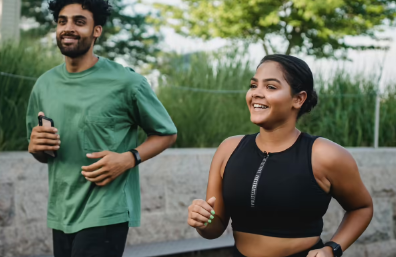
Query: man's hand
(324, 252)
(43, 139)
(109, 167)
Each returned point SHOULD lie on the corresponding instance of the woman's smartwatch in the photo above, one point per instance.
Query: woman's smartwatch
(337, 251)
(136, 154)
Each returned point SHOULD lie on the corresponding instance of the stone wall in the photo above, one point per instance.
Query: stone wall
(169, 183)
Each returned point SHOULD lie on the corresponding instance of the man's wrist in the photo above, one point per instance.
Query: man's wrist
(136, 155)
(131, 162)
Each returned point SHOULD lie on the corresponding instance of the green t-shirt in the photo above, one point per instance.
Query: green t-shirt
(95, 110)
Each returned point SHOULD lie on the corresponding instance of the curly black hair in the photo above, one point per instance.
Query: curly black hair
(101, 9)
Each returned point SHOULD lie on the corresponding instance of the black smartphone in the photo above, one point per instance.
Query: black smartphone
(47, 122)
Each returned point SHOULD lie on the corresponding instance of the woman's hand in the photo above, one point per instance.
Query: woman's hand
(324, 252)
(201, 212)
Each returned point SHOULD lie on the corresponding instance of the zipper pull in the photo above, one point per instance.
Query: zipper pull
(266, 154)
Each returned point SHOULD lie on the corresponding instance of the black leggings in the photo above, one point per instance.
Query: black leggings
(106, 241)
(318, 245)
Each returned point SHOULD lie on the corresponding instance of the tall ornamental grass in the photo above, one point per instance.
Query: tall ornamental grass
(205, 96)
(28, 60)
(345, 113)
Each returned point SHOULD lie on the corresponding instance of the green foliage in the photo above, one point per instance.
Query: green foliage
(37, 11)
(387, 129)
(22, 59)
(315, 28)
(205, 119)
(345, 113)
(128, 36)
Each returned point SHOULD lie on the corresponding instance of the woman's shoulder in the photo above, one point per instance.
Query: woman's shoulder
(329, 154)
(321, 144)
(229, 145)
(234, 141)
(226, 149)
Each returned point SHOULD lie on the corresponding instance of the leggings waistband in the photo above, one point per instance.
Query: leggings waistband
(318, 245)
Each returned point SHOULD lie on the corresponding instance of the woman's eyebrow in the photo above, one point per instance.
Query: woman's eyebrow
(266, 80)
(271, 79)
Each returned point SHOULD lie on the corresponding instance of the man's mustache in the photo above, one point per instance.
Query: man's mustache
(67, 34)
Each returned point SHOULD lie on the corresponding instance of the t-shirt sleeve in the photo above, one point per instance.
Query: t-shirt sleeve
(32, 113)
(149, 113)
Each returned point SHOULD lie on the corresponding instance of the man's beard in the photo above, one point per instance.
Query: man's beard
(73, 51)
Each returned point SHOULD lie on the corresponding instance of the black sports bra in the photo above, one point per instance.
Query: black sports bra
(274, 194)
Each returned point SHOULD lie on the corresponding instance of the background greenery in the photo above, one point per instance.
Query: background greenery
(317, 28)
(24, 59)
(345, 113)
(205, 96)
(205, 92)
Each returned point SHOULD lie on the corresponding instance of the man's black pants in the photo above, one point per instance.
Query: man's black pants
(106, 241)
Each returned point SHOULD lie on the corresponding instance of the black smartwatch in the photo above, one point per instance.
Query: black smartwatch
(136, 154)
(337, 251)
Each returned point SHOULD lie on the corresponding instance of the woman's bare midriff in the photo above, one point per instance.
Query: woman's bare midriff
(253, 245)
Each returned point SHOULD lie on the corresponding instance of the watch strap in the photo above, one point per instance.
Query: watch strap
(337, 251)
(136, 154)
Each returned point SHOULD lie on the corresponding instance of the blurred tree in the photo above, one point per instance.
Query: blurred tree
(127, 34)
(317, 28)
(35, 11)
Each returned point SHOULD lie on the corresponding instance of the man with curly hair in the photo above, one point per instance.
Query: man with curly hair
(97, 106)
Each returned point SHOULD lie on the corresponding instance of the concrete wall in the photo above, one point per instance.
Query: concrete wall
(10, 15)
(169, 183)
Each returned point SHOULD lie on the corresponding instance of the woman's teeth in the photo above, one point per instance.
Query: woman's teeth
(260, 106)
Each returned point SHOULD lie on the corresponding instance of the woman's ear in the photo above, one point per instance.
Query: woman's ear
(299, 99)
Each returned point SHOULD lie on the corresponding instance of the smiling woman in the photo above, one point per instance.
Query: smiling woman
(276, 185)
(282, 80)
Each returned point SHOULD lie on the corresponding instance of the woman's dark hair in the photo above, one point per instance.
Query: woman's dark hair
(299, 76)
(101, 9)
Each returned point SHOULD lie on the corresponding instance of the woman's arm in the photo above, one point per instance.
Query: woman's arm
(339, 168)
(199, 210)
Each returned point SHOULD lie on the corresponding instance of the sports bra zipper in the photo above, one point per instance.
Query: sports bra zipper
(256, 180)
